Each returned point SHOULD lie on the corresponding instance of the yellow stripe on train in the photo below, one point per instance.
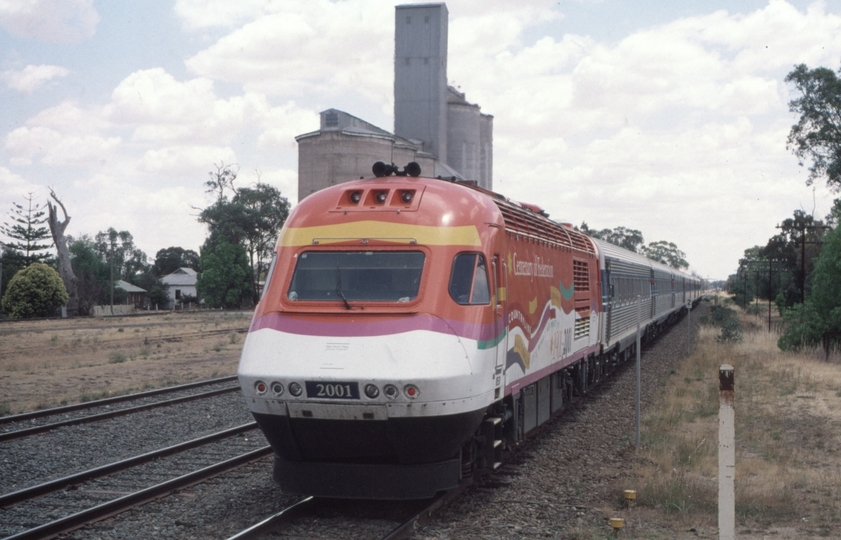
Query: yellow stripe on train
(466, 235)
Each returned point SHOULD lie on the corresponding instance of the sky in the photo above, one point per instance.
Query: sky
(666, 117)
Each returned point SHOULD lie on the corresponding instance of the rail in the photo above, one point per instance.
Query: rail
(26, 432)
(16, 497)
(80, 519)
(111, 400)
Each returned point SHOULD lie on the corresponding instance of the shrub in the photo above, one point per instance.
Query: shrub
(804, 327)
(731, 331)
(718, 315)
(35, 291)
(726, 319)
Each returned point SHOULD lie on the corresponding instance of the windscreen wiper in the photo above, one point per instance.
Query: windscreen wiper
(339, 286)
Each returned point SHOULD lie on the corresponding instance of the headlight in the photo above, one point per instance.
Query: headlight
(372, 391)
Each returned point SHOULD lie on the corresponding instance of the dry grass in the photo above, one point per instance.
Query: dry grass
(788, 436)
(45, 363)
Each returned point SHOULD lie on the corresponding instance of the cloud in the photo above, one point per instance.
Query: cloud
(184, 161)
(162, 110)
(57, 149)
(15, 185)
(719, 63)
(200, 14)
(53, 21)
(314, 47)
(670, 129)
(283, 124)
(31, 78)
(69, 117)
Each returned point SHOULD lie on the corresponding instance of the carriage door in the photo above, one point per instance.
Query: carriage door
(500, 284)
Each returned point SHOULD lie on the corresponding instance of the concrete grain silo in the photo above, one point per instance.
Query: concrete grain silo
(434, 124)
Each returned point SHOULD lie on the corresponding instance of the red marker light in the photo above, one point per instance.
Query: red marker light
(411, 391)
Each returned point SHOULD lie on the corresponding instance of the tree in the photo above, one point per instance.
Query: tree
(826, 285)
(118, 247)
(253, 217)
(222, 179)
(65, 268)
(11, 262)
(593, 233)
(35, 291)
(630, 239)
(224, 280)
(667, 253)
(796, 246)
(28, 232)
(156, 290)
(171, 259)
(816, 136)
(806, 323)
(91, 271)
(92, 260)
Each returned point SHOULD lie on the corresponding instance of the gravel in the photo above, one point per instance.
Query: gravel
(561, 481)
(556, 486)
(63, 451)
(91, 408)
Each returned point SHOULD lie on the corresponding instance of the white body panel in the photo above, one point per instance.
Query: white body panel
(451, 373)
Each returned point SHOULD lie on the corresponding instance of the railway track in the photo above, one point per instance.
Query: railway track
(31, 423)
(238, 497)
(84, 503)
(323, 518)
(59, 498)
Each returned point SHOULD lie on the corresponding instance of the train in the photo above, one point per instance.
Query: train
(412, 330)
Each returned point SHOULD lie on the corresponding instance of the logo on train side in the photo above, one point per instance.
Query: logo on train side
(535, 268)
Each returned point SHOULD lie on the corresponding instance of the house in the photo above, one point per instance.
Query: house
(181, 283)
(136, 296)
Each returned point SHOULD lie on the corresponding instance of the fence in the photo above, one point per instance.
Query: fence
(110, 311)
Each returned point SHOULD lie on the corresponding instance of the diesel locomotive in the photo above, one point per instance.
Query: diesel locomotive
(412, 329)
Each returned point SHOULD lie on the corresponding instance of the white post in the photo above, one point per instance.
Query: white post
(726, 454)
(639, 318)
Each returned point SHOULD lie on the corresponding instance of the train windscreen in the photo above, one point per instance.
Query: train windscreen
(370, 276)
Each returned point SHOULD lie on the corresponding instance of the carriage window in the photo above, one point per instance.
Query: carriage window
(342, 276)
(469, 279)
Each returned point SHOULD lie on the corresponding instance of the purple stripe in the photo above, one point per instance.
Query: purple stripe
(544, 320)
(360, 327)
(530, 378)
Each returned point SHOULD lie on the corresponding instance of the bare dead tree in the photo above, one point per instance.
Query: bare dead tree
(57, 228)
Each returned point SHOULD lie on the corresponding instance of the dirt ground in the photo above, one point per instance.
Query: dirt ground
(46, 363)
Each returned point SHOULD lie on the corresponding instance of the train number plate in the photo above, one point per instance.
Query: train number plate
(332, 390)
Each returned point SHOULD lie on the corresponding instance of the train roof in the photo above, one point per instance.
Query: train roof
(463, 202)
(616, 252)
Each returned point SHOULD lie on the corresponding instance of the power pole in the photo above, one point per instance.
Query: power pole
(803, 228)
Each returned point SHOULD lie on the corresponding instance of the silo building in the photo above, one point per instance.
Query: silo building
(434, 124)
